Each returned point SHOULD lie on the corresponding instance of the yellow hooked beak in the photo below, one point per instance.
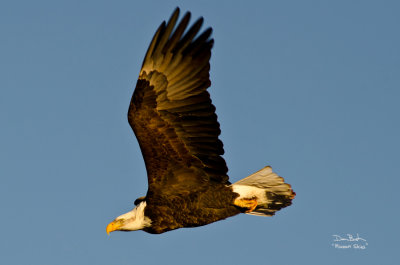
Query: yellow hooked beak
(114, 226)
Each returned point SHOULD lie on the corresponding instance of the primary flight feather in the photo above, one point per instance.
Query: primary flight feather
(176, 126)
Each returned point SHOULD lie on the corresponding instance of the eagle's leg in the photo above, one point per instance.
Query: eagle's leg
(248, 204)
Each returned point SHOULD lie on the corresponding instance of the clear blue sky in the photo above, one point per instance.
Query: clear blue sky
(311, 88)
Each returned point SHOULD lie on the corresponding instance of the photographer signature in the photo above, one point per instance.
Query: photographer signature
(349, 241)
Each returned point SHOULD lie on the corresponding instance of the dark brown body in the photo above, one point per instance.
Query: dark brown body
(190, 210)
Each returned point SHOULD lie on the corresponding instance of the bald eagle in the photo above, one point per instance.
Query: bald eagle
(176, 126)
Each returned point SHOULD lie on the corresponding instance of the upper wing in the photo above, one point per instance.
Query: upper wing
(171, 111)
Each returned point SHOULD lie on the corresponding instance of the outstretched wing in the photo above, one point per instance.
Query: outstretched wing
(171, 111)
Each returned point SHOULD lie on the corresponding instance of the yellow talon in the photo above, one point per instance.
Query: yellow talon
(249, 204)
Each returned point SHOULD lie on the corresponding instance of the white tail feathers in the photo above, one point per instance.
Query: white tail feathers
(270, 191)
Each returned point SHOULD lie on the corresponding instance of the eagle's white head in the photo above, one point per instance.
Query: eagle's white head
(130, 221)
